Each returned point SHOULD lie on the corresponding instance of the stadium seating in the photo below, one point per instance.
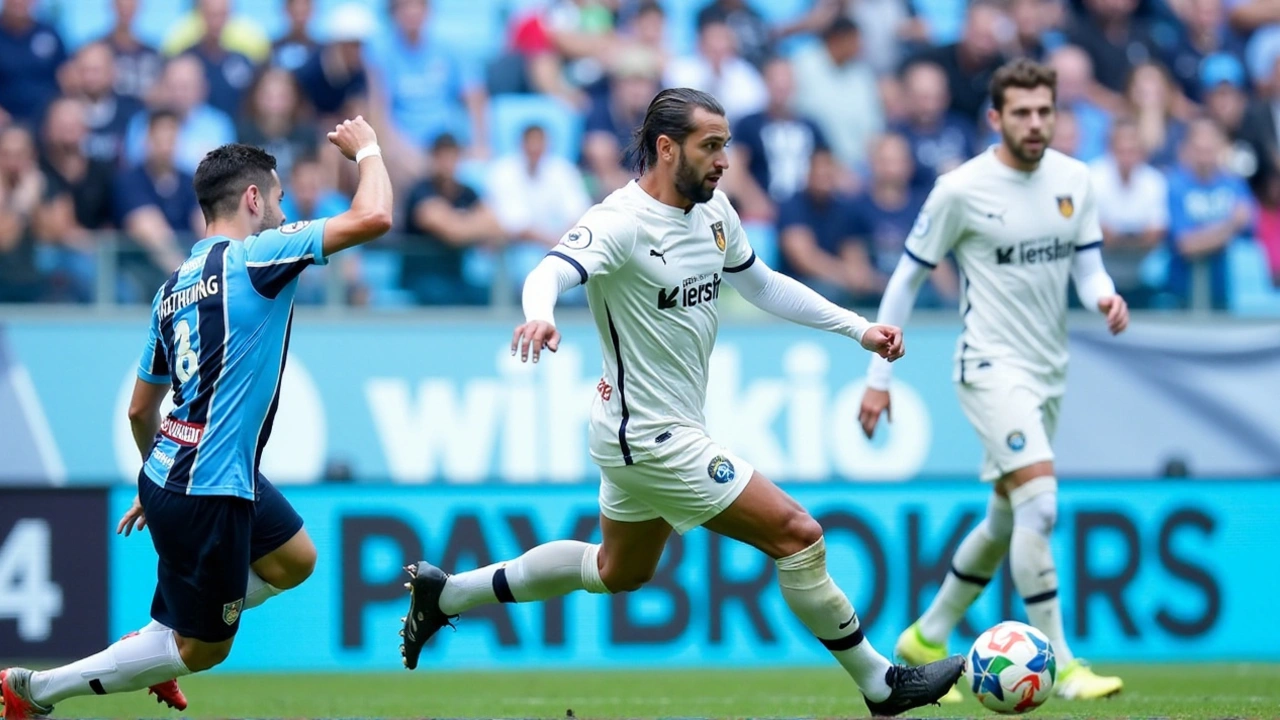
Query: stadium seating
(1251, 291)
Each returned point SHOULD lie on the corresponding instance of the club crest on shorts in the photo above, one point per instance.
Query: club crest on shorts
(717, 230)
(721, 469)
(231, 611)
(1066, 206)
(1016, 441)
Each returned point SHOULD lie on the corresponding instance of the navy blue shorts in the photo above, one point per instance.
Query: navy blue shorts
(206, 544)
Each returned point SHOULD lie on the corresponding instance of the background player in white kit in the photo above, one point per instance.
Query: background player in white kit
(1020, 219)
(653, 256)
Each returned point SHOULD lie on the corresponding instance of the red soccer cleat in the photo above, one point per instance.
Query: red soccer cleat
(166, 692)
(15, 696)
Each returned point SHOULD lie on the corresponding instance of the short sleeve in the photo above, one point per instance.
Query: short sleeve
(153, 366)
(276, 257)
(937, 227)
(598, 245)
(738, 255)
(1090, 234)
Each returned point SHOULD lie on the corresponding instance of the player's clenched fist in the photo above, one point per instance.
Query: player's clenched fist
(352, 135)
(1117, 312)
(533, 336)
(884, 340)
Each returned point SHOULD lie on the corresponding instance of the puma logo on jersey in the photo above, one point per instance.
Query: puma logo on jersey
(690, 293)
(997, 216)
(660, 255)
(1032, 252)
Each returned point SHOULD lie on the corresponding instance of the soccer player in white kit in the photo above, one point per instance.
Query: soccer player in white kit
(653, 256)
(1020, 219)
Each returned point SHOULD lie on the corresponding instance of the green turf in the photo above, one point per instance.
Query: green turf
(1181, 691)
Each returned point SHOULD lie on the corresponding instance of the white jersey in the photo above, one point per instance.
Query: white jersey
(1014, 235)
(653, 274)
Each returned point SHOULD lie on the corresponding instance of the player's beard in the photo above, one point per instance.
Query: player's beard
(270, 220)
(1022, 153)
(689, 184)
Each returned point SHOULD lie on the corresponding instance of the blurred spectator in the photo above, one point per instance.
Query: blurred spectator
(1261, 126)
(881, 219)
(211, 22)
(940, 140)
(1037, 28)
(1133, 208)
(888, 27)
(202, 128)
(155, 201)
(1203, 33)
(1222, 83)
(648, 31)
(227, 72)
(536, 196)
(633, 81)
(334, 76)
(771, 149)
(816, 240)
(1151, 98)
(292, 49)
(1075, 76)
(1208, 209)
(77, 200)
(1246, 16)
(1114, 39)
(1066, 133)
(30, 54)
(138, 65)
(423, 91)
(274, 120)
(837, 89)
(444, 218)
(308, 196)
(749, 28)
(970, 63)
(21, 187)
(107, 112)
(717, 68)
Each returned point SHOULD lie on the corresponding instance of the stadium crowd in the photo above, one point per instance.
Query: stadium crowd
(503, 120)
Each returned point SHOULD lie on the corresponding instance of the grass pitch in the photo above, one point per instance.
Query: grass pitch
(1165, 691)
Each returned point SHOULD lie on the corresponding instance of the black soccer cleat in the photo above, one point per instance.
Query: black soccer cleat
(425, 617)
(913, 687)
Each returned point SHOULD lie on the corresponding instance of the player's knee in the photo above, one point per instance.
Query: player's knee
(198, 655)
(798, 532)
(299, 566)
(620, 578)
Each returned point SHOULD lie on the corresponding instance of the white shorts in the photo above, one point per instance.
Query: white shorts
(687, 480)
(1015, 417)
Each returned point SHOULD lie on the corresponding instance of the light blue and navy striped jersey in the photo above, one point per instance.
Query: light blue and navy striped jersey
(219, 335)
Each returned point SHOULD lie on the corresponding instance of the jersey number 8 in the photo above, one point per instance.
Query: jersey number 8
(186, 361)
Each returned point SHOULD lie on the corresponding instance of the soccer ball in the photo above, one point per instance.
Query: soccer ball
(1011, 668)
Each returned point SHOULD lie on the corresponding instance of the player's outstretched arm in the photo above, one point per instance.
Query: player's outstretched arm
(371, 209)
(551, 277)
(895, 309)
(792, 300)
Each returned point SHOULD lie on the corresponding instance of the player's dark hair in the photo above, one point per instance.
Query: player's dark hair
(226, 172)
(671, 114)
(1023, 74)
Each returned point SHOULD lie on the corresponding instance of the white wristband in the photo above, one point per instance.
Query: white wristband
(368, 151)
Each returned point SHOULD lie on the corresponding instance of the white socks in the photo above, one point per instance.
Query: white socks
(826, 611)
(547, 571)
(975, 563)
(1035, 511)
(134, 663)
